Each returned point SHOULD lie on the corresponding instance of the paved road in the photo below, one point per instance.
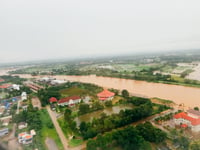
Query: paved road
(58, 129)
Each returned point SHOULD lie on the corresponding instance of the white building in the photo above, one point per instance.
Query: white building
(23, 96)
(69, 101)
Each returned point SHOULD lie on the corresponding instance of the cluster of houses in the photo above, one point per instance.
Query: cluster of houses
(72, 100)
(26, 138)
(190, 119)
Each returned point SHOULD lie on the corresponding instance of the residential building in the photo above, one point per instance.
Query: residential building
(191, 119)
(25, 138)
(23, 96)
(105, 95)
(69, 101)
(22, 125)
(4, 131)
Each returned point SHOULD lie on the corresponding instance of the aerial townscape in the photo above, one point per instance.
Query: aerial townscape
(144, 102)
(99, 75)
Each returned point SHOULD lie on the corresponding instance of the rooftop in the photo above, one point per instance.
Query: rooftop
(66, 99)
(184, 115)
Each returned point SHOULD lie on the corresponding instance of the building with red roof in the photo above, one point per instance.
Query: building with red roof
(191, 118)
(53, 100)
(5, 86)
(69, 101)
(105, 95)
(2, 80)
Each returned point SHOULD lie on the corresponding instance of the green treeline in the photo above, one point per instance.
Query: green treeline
(134, 138)
(124, 117)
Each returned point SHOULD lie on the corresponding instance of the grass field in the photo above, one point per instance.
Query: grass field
(75, 142)
(74, 91)
(47, 131)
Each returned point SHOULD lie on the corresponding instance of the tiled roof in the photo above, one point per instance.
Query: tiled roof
(105, 94)
(52, 99)
(184, 115)
(4, 86)
(66, 99)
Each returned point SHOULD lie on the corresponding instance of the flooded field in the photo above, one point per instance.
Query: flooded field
(190, 96)
(110, 110)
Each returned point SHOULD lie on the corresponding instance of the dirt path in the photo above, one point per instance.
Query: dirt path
(51, 145)
(36, 102)
(58, 129)
(62, 137)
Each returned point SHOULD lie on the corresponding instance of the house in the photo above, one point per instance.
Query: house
(86, 99)
(16, 87)
(69, 101)
(57, 82)
(53, 100)
(23, 96)
(190, 119)
(2, 109)
(5, 122)
(25, 138)
(2, 80)
(5, 86)
(22, 125)
(3, 132)
(105, 95)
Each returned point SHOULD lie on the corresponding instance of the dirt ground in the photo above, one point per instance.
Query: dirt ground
(50, 143)
(36, 102)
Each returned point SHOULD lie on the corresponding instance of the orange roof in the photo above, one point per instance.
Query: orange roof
(22, 134)
(52, 99)
(105, 94)
(28, 136)
(184, 115)
(184, 125)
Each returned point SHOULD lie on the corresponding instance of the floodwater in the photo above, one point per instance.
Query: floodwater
(109, 110)
(189, 96)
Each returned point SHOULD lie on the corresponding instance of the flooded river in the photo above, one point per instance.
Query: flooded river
(190, 96)
(110, 110)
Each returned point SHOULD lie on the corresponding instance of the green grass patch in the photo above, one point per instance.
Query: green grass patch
(74, 91)
(64, 128)
(75, 142)
(48, 129)
(163, 101)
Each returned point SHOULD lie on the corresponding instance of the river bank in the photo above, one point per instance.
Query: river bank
(188, 96)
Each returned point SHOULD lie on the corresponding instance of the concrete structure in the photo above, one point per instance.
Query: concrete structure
(4, 131)
(105, 95)
(22, 125)
(24, 96)
(191, 118)
(69, 101)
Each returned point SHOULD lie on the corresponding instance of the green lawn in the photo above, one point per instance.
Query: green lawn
(75, 142)
(48, 129)
(74, 91)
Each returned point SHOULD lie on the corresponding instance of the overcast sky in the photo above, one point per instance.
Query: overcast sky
(42, 29)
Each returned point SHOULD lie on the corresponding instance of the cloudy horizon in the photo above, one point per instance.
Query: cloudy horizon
(53, 29)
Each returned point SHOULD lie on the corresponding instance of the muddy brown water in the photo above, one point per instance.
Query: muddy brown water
(189, 96)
